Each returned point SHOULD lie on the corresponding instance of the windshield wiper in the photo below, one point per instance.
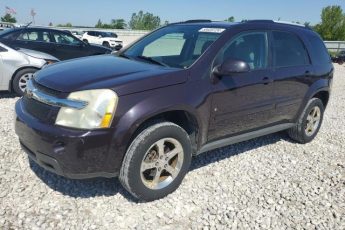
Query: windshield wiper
(152, 60)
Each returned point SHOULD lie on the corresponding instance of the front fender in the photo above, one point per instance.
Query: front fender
(137, 108)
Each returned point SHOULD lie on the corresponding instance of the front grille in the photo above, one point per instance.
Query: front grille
(37, 109)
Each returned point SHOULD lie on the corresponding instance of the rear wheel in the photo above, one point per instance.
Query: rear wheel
(156, 161)
(309, 123)
(21, 80)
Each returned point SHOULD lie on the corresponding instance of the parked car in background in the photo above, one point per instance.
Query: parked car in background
(339, 58)
(78, 34)
(18, 66)
(57, 43)
(107, 39)
(185, 89)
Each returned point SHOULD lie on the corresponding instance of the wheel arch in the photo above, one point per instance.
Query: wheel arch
(10, 85)
(181, 117)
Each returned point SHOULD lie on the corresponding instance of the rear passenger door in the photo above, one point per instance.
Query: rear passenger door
(38, 40)
(291, 70)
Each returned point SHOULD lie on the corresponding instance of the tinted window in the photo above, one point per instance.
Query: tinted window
(9, 34)
(39, 36)
(288, 50)
(319, 51)
(65, 39)
(250, 47)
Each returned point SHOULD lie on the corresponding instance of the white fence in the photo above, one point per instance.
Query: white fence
(335, 46)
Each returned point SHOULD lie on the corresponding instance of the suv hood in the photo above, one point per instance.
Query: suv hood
(107, 71)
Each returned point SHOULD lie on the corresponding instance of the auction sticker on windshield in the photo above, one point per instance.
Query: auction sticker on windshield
(212, 30)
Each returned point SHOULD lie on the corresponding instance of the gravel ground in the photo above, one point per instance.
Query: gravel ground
(268, 182)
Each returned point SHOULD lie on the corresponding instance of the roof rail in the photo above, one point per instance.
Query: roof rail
(258, 21)
(280, 22)
(197, 20)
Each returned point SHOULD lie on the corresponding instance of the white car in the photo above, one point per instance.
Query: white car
(18, 66)
(107, 39)
(78, 34)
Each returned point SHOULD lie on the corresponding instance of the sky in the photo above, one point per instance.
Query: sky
(87, 12)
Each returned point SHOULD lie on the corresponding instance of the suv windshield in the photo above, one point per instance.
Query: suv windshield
(176, 46)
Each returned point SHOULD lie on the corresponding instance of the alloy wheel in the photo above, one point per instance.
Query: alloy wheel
(313, 121)
(162, 163)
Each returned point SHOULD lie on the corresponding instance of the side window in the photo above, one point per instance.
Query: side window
(38, 36)
(173, 44)
(61, 38)
(288, 50)
(203, 41)
(319, 51)
(251, 48)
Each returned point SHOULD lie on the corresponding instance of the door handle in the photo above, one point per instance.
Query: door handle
(267, 80)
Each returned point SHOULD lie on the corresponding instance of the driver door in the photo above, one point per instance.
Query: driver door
(67, 46)
(243, 102)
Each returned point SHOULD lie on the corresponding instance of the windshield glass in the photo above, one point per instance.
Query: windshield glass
(5, 31)
(176, 46)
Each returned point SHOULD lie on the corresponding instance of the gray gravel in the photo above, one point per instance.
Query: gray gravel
(266, 183)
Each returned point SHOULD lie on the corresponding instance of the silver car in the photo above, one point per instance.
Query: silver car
(18, 66)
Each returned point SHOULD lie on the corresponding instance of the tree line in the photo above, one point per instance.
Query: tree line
(331, 27)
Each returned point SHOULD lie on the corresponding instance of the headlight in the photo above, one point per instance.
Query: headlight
(99, 112)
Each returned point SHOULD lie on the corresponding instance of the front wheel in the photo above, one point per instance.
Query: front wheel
(309, 123)
(106, 44)
(156, 161)
(21, 79)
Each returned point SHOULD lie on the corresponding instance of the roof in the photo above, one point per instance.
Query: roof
(225, 24)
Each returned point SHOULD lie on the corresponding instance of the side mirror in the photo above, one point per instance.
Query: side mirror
(231, 66)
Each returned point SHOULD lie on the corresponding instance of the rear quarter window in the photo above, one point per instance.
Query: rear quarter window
(318, 51)
(289, 50)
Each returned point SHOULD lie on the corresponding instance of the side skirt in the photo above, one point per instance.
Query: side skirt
(244, 137)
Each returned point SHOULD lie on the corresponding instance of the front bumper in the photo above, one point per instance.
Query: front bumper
(116, 46)
(71, 153)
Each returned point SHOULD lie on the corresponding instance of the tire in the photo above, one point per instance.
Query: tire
(21, 79)
(303, 133)
(144, 152)
(106, 44)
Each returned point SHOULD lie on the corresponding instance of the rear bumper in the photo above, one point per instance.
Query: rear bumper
(74, 154)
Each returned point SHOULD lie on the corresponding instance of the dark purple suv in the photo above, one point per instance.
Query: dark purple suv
(182, 90)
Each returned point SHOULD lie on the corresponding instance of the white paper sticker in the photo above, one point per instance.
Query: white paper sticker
(212, 30)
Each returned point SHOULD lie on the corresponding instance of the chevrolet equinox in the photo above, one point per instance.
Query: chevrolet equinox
(184, 89)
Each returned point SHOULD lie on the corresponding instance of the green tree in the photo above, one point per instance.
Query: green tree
(230, 19)
(8, 18)
(99, 24)
(118, 23)
(332, 26)
(65, 25)
(144, 21)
